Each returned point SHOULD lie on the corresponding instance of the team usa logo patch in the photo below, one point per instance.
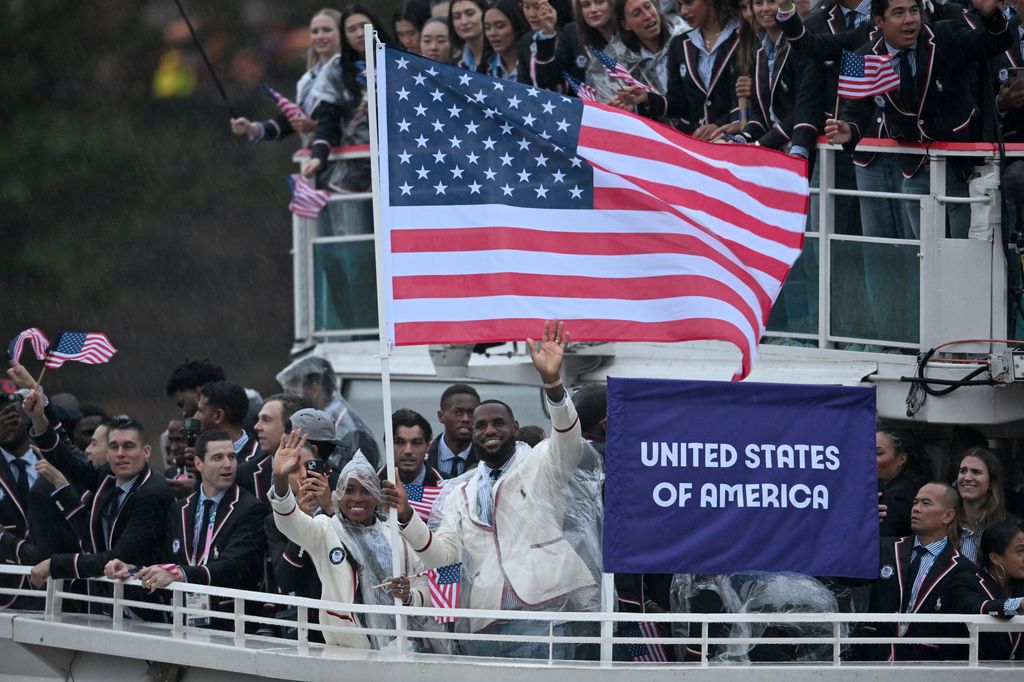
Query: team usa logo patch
(337, 555)
(886, 572)
(682, 70)
(581, 61)
(879, 101)
(176, 545)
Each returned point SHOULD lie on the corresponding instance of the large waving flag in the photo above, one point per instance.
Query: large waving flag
(505, 205)
(33, 336)
(91, 348)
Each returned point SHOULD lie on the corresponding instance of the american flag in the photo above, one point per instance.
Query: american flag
(866, 75)
(650, 653)
(618, 72)
(505, 205)
(422, 498)
(92, 348)
(445, 588)
(583, 91)
(289, 108)
(306, 202)
(35, 337)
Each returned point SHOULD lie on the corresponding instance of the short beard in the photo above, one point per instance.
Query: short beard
(498, 458)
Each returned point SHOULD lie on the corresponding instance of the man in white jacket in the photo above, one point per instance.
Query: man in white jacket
(504, 521)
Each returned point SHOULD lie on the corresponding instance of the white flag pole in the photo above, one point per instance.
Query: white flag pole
(380, 239)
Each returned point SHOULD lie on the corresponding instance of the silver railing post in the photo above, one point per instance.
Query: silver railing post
(837, 629)
(704, 643)
(607, 626)
(826, 219)
(972, 657)
(118, 609)
(177, 617)
(239, 621)
(54, 602)
(302, 619)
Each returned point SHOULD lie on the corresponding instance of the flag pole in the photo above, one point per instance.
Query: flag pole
(202, 52)
(39, 379)
(380, 235)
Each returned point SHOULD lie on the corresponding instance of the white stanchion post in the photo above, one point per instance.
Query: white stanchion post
(383, 287)
(607, 626)
(118, 609)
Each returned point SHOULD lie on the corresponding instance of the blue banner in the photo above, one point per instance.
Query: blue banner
(719, 477)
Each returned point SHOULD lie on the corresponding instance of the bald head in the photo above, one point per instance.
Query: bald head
(934, 510)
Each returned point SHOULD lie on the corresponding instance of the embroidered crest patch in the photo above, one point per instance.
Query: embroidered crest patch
(886, 572)
(581, 61)
(682, 70)
(176, 545)
(879, 101)
(1003, 75)
(337, 555)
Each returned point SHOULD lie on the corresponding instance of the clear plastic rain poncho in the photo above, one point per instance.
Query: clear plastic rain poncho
(756, 593)
(352, 433)
(350, 175)
(369, 546)
(565, 507)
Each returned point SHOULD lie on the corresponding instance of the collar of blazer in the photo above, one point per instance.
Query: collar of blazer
(723, 55)
(97, 505)
(188, 518)
(944, 563)
(925, 56)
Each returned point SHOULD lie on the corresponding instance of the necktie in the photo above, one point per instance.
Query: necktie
(22, 481)
(908, 589)
(483, 500)
(111, 514)
(201, 532)
(850, 20)
(456, 466)
(908, 88)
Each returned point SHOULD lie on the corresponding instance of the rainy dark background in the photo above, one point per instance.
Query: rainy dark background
(126, 206)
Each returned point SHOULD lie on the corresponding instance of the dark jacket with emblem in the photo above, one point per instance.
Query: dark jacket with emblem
(951, 586)
(687, 98)
(944, 54)
(791, 96)
(137, 530)
(236, 548)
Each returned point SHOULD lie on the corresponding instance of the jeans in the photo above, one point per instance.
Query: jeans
(958, 216)
(884, 217)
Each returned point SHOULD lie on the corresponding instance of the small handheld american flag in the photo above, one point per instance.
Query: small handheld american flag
(445, 588)
(35, 337)
(649, 653)
(618, 72)
(422, 498)
(583, 91)
(289, 108)
(306, 202)
(91, 348)
(866, 75)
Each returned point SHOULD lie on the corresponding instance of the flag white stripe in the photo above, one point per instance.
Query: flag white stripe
(768, 176)
(605, 267)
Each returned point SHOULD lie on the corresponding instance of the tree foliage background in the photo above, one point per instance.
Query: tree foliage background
(126, 205)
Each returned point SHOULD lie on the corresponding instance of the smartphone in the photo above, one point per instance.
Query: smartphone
(316, 466)
(191, 431)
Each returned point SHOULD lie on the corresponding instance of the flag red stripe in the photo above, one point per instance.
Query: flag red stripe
(515, 284)
(483, 238)
(651, 149)
(500, 330)
(634, 199)
(694, 199)
(676, 141)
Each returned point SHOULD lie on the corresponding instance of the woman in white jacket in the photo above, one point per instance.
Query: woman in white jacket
(350, 550)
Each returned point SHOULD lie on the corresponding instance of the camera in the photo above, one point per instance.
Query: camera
(191, 431)
(316, 466)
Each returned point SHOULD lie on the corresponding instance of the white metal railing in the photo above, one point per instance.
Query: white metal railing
(55, 595)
